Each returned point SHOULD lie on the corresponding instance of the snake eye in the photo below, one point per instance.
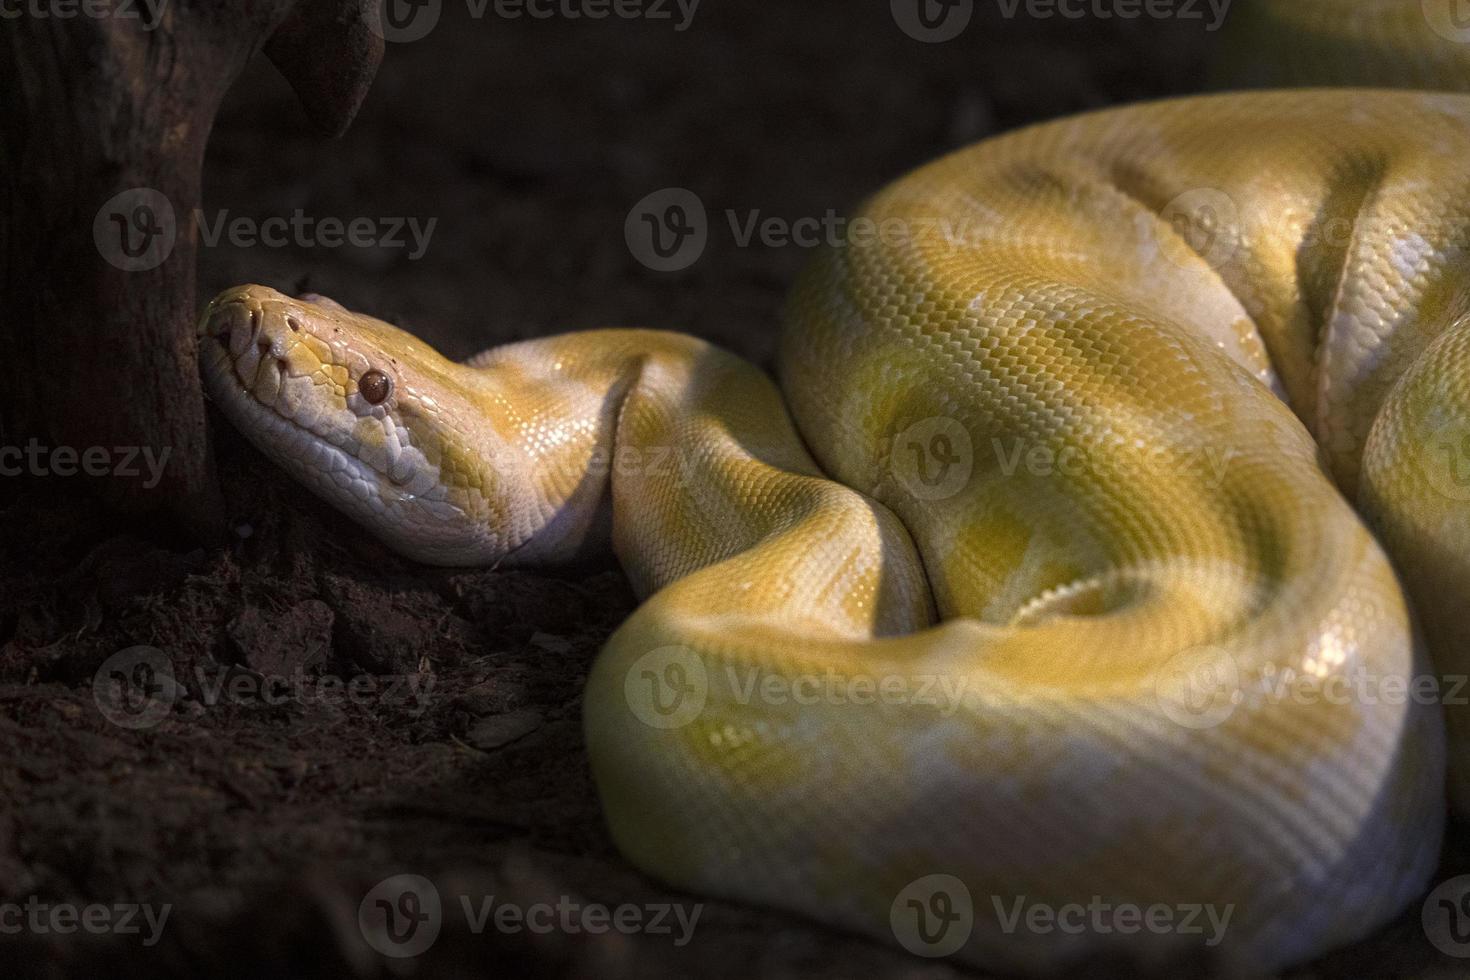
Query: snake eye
(375, 387)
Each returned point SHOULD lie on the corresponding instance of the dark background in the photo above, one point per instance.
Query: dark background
(528, 141)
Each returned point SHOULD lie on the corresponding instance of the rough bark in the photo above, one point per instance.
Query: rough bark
(103, 126)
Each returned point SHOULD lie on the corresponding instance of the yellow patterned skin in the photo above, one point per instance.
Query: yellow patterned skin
(1072, 606)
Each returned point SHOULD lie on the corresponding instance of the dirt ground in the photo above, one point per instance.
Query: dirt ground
(264, 816)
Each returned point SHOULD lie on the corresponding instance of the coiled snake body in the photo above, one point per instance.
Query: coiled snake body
(1071, 603)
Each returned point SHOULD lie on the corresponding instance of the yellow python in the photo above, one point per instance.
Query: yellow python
(1072, 605)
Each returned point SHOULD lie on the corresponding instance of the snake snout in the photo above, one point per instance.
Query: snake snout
(250, 327)
(233, 326)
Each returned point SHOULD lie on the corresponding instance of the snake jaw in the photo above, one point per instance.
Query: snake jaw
(288, 373)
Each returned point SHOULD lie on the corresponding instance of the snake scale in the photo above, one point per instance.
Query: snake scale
(1040, 568)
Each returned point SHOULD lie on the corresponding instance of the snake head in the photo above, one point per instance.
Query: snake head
(369, 417)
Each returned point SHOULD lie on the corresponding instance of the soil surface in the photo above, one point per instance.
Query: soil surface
(331, 715)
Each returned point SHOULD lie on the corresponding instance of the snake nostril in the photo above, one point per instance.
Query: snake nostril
(233, 326)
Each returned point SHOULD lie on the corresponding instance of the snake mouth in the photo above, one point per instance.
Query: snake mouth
(277, 366)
